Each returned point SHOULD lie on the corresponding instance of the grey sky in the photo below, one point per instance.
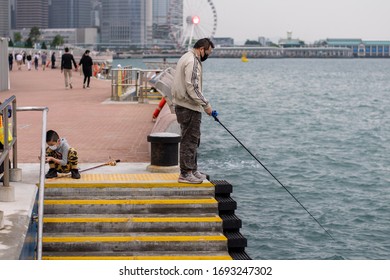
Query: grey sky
(309, 20)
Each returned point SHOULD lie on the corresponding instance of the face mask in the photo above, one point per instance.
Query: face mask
(53, 148)
(203, 58)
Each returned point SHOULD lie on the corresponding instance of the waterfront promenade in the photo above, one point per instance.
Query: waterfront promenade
(97, 127)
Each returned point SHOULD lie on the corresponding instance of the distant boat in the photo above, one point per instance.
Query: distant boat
(244, 58)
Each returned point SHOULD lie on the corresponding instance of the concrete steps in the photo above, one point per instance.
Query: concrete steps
(130, 216)
(130, 242)
(61, 223)
(132, 206)
(109, 255)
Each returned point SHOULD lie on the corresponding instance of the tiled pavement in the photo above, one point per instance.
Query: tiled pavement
(95, 126)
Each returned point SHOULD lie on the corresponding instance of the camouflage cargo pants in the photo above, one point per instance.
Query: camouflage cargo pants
(189, 121)
(72, 161)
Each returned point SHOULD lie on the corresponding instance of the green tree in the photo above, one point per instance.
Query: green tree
(10, 43)
(43, 46)
(252, 42)
(35, 34)
(17, 37)
(58, 40)
(28, 43)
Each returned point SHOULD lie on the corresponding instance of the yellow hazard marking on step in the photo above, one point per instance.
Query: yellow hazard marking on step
(130, 202)
(215, 219)
(123, 258)
(104, 184)
(78, 239)
(148, 180)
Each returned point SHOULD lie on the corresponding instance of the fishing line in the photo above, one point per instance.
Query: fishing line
(214, 114)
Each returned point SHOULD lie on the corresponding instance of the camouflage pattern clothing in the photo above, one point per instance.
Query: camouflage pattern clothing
(189, 121)
(71, 162)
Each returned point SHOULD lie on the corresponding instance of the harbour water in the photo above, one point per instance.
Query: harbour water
(322, 127)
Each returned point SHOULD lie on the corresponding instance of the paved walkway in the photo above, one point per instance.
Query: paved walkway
(95, 126)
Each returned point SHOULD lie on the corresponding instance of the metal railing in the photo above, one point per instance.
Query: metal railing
(41, 190)
(12, 145)
(131, 84)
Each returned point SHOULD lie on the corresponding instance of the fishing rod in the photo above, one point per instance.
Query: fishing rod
(110, 163)
(214, 114)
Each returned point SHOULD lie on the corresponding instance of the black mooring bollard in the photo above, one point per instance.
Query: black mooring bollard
(164, 151)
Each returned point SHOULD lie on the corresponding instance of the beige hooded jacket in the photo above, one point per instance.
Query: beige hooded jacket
(187, 83)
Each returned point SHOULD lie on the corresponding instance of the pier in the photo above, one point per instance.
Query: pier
(115, 212)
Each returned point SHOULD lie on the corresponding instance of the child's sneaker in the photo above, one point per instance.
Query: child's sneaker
(75, 173)
(52, 173)
(189, 178)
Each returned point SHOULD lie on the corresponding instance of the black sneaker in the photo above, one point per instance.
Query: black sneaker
(51, 174)
(75, 173)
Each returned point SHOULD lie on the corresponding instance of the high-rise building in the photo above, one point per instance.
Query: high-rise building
(96, 13)
(30, 13)
(4, 18)
(126, 23)
(160, 21)
(70, 13)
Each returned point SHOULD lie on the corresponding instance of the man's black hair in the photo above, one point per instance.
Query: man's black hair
(204, 43)
(66, 49)
(52, 136)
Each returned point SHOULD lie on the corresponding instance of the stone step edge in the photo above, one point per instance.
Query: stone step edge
(134, 238)
(105, 219)
(129, 201)
(118, 258)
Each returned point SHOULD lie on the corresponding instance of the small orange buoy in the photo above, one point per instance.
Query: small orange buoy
(158, 109)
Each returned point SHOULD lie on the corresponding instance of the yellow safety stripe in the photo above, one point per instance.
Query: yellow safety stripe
(118, 258)
(215, 219)
(126, 185)
(147, 180)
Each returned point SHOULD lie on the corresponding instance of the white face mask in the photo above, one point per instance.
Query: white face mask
(53, 148)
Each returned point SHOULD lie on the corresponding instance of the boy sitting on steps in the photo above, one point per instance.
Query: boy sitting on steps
(60, 156)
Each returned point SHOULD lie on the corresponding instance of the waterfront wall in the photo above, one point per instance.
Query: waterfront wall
(276, 52)
(4, 74)
(166, 122)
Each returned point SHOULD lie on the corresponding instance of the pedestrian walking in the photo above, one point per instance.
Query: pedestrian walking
(10, 61)
(19, 61)
(87, 63)
(66, 67)
(29, 61)
(43, 59)
(36, 61)
(53, 60)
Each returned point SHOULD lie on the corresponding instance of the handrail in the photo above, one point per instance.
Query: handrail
(122, 78)
(41, 190)
(12, 144)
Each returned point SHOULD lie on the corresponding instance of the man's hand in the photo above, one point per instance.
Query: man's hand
(209, 111)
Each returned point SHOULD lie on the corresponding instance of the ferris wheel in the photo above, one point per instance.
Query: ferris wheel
(190, 20)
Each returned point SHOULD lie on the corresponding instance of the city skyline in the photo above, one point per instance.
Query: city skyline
(309, 20)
